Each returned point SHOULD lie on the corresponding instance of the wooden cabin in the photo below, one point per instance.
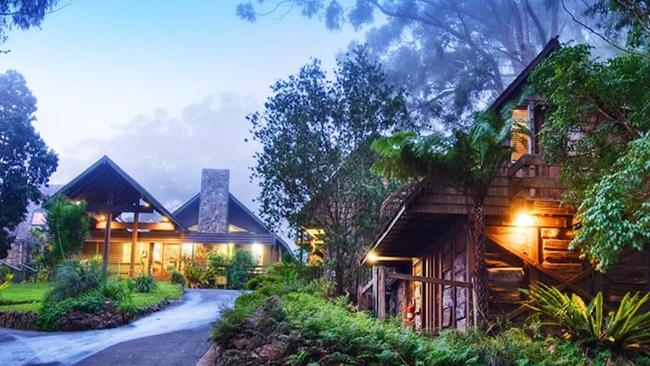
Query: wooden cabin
(134, 233)
(424, 258)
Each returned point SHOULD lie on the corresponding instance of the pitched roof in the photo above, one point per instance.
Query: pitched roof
(188, 214)
(516, 85)
(510, 92)
(95, 184)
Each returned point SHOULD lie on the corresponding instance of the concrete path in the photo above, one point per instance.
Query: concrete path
(177, 335)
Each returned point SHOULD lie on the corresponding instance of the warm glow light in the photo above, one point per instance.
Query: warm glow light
(146, 204)
(102, 218)
(524, 219)
(165, 218)
(372, 257)
(257, 251)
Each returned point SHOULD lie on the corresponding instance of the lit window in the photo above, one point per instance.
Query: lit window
(520, 138)
(258, 252)
(235, 229)
(39, 218)
(126, 253)
(187, 250)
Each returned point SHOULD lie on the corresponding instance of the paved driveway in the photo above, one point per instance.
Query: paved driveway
(178, 335)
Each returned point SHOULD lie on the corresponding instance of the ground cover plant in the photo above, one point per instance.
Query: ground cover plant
(144, 283)
(626, 330)
(287, 320)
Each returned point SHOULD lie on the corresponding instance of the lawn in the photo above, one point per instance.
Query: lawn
(29, 296)
(163, 291)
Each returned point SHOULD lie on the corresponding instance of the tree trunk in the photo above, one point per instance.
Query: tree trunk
(480, 271)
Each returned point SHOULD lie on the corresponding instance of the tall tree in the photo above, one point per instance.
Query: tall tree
(451, 55)
(22, 14)
(597, 128)
(466, 160)
(624, 24)
(68, 226)
(315, 161)
(26, 162)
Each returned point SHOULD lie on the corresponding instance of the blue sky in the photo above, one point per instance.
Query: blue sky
(107, 72)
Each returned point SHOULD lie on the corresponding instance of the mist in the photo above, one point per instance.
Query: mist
(165, 153)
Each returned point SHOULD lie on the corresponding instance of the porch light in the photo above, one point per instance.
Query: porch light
(524, 219)
(146, 204)
(372, 257)
(102, 218)
(165, 219)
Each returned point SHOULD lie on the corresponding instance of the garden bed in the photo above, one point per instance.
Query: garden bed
(22, 302)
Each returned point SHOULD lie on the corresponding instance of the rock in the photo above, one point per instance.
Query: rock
(272, 351)
(241, 343)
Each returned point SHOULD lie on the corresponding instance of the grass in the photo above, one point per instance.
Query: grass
(25, 292)
(26, 297)
(163, 291)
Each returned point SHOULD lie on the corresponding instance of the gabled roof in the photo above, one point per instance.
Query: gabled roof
(95, 184)
(515, 86)
(238, 214)
(508, 94)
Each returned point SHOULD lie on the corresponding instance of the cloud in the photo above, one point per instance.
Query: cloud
(165, 154)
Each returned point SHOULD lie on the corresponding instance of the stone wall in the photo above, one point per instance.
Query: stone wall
(213, 203)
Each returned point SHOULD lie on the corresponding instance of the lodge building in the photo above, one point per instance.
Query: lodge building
(424, 257)
(137, 234)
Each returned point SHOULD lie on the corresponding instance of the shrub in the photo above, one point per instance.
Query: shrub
(48, 316)
(623, 330)
(218, 263)
(74, 278)
(197, 275)
(178, 278)
(144, 283)
(240, 269)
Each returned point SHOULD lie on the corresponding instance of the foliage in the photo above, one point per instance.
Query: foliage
(625, 329)
(217, 263)
(628, 19)
(73, 278)
(240, 269)
(22, 14)
(91, 302)
(120, 292)
(324, 125)
(197, 275)
(615, 213)
(30, 296)
(450, 55)
(27, 162)
(465, 160)
(144, 283)
(596, 129)
(68, 226)
(329, 332)
(178, 278)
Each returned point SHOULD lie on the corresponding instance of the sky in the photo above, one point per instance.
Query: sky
(161, 87)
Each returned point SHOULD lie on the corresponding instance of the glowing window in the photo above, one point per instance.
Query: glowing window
(520, 138)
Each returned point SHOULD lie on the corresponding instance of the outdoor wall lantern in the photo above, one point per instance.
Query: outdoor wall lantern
(524, 219)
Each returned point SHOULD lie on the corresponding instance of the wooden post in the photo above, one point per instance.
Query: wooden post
(381, 291)
(134, 244)
(107, 240)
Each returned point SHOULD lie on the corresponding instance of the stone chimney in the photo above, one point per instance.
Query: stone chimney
(213, 203)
